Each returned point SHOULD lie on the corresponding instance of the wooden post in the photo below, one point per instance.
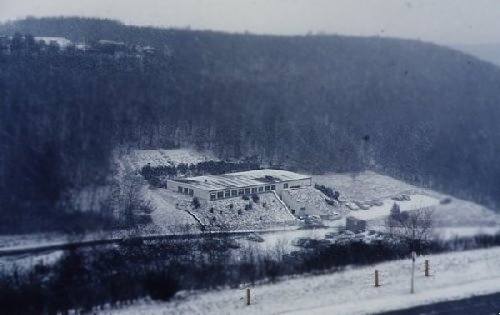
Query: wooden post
(377, 284)
(426, 268)
(248, 296)
(413, 256)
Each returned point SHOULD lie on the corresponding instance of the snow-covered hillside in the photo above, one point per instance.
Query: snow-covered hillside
(313, 202)
(139, 158)
(453, 276)
(174, 213)
(239, 214)
(166, 217)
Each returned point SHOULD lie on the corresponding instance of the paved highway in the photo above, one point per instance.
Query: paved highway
(479, 305)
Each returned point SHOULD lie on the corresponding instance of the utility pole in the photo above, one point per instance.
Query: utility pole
(413, 256)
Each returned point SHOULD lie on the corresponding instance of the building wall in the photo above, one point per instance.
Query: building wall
(290, 184)
(298, 209)
(230, 192)
(196, 192)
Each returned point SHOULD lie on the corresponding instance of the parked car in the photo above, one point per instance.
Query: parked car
(331, 235)
(376, 203)
(313, 221)
(402, 197)
(315, 243)
(362, 205)
(300, 242)
(445, 201)
(348, 233)
(255, 238)
(351, 206)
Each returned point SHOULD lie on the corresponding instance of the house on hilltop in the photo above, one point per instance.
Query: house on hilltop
(62, 42)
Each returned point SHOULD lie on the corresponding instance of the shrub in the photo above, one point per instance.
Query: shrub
(329, 192)
(395, 210)
(255, 198)
(248, 206)
(161, 286)
(196, 202)
(330, 202)
(245, 198)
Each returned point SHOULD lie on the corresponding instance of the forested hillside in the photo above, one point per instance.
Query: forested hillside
(418, 111)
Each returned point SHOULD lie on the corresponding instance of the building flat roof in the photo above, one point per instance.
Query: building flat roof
(241, 179)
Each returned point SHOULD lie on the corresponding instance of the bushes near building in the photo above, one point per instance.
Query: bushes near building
(329, 192)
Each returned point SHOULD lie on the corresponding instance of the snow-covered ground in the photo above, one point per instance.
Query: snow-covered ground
(139, 158)
(416, 202)
(283, 239)
(447, 233)
(8, 242)
(454, 276)
(456, 217)
(165, 216)
(28, 261)
(313, 202)
(233, 214)
(364, 186)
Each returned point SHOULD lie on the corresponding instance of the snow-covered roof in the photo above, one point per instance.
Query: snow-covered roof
(110, 42)
(241, 179)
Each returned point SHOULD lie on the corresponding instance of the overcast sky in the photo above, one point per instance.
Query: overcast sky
(441, 21)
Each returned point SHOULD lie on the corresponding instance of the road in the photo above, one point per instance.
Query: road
(63, 245)
(484, 305)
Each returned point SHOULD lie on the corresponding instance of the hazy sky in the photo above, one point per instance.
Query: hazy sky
(441, 21)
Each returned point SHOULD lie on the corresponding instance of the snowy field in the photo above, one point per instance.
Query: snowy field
(166, 217)
(456, 218)
(365, 186)
(416, 202)
(281, 240)
(453, 276)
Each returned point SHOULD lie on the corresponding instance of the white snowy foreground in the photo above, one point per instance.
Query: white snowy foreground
(453, 276)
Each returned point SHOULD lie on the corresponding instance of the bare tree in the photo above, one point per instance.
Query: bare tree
(131, 199)
(414, 227)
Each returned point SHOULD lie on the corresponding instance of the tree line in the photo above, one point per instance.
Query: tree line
(416, 111)
(86, 280)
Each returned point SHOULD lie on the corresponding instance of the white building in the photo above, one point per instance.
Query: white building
(214, 187)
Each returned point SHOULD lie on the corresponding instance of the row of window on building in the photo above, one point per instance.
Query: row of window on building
(240, 192)
(233, 192)
(185, 191)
